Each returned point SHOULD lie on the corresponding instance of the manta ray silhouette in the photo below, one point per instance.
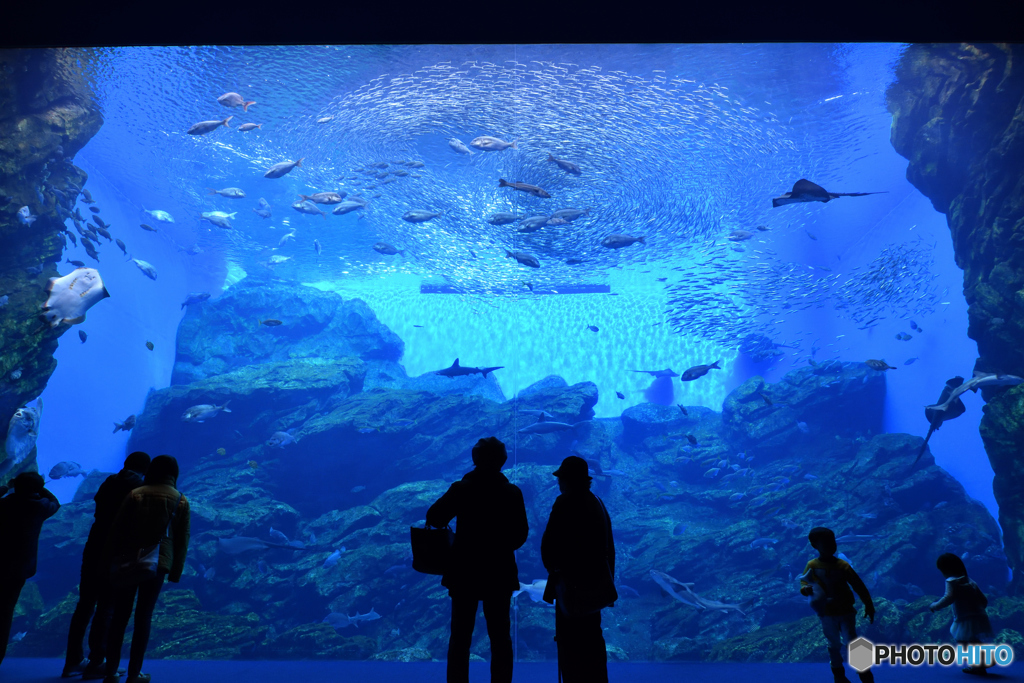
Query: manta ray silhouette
(806, 191)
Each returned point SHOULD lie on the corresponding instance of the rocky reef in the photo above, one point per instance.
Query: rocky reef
(720, 500)
(958, 116)
(47, 114)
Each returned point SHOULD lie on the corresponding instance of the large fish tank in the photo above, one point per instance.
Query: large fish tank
(327, 350)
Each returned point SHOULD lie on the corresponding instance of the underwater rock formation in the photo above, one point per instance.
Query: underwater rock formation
(221, 335)
(47, 114)
(958, 116)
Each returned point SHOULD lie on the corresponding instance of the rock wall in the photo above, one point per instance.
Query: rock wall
(47, 114)
(958, 116)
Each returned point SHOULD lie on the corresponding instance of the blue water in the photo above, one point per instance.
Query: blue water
(740, 124)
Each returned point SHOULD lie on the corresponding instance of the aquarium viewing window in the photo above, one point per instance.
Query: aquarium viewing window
(701, 269)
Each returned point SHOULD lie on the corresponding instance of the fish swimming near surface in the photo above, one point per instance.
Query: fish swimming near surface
(457, 370)
(159, 215)
(565, 164)
(282, 169)
(22, 432)
(488, 144)
(340, 621)
(281, 439)
(204, 127)
(72, 295)
(545, 426)
(936, 417)
(523, 258)
(309, 207)
(126, 426)
(622, 241)
(525, 187)
(25, 216)
(195, 298)
(325, 197)
(698, 371)
(233, 99)
(879, 365)
(419, 216)
(459, 146)
(66, 470)
(245, 127)
(387, 249)
(806, 191)
(147, 269)
(202, 412)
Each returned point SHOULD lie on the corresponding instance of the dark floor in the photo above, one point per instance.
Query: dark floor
(18, 670)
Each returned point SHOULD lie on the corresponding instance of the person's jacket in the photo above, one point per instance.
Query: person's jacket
(967, 599)
(142, 521)
(21, 520)
(578, 544)
(491, 525)
(109, 497)
(835, 577)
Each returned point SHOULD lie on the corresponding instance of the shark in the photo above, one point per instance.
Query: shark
(236, 545)
(457, 370)
(806, 191)
(340, 621)
(980, 380)
(936, 417)
(689, 597)
(545, 426)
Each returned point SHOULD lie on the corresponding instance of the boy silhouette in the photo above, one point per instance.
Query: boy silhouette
(827, 580)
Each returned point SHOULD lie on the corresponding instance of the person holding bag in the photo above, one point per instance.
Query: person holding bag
(492, 525)
(578, 551)
(148, 542)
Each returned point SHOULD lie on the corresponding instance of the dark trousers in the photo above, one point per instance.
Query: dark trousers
(10, 589)
(93, 596)
(122, 599)
(582, 657)
(499, 625)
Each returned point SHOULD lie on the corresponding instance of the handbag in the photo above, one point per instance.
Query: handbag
(134, 567)
(431, 549)
(578, 597)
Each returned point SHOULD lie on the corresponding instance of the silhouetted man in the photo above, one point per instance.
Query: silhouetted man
(94, 586)
(21, 519)
(491, 526)
(579, 553)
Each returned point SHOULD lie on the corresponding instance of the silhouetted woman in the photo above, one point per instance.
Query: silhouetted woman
(145, 518)
(491, 526)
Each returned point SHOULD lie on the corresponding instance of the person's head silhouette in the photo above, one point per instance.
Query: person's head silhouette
(28, 483)
(573, 474)
(489, 454)
(162, 468)
(137, 462)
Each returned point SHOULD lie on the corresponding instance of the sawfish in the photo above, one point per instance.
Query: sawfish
(691, 598)
(980, 380)
(806, 191)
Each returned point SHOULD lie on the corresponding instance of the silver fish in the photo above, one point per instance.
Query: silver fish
(146, 268)
(282, 169)
(459, 146)
(204, 411)
(204, 127)
(489, 144)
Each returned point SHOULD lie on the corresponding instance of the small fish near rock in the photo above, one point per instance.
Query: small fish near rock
(204, 127)
(281, 439)
(72, 295)
(126, 426)
(22, 432)
(879, 365)
(25, 216)
(202, 412)
(195, 298)
(233, 99)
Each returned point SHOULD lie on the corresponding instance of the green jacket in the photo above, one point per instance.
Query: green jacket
(142, 521)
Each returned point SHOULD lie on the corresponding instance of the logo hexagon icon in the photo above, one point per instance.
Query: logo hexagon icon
(861, 654)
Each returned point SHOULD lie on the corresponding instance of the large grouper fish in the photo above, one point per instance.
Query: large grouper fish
(22, 432)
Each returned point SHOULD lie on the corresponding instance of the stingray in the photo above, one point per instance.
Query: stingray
(806, 191)
(667, 372)
(72, 295)
(935, 416)
(980, 379)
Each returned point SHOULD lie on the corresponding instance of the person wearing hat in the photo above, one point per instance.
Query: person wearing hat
(492, 525)
(578, 551)
(21, 519)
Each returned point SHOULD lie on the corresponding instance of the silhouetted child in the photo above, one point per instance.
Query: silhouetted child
(828, 580)
(970, 620)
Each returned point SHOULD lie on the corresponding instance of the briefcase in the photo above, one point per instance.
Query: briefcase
(431, 549)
